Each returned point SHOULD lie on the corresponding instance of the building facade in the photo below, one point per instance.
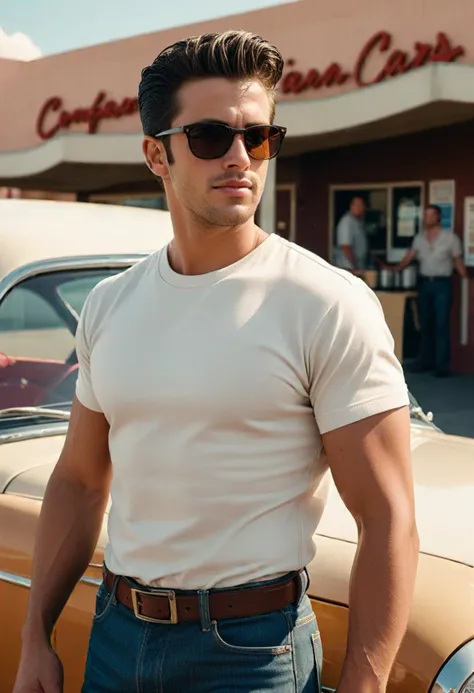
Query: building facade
(377, 99)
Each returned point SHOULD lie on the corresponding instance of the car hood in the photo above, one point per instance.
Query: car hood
(443, 469)
(444, 487)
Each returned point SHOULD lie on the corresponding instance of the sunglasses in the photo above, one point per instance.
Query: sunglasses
(213, 140)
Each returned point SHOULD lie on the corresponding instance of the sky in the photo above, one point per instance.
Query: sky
(31, 28)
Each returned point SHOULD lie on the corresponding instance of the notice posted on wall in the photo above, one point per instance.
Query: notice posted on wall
(442, 193)
(408, 213)
(469, 231)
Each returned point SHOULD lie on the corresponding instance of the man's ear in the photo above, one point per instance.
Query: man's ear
(156, 157)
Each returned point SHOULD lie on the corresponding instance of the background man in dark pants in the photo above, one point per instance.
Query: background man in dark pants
(438, 252)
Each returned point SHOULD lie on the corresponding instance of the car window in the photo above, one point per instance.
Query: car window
(38, 320)
(23, 309)
(31, 328)
(76, 291)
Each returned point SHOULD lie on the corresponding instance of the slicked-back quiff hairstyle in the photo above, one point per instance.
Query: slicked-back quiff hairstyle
(237, 55)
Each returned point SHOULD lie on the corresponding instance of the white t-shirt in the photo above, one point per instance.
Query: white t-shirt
(436, 257)
(351, 231)
(217, 389)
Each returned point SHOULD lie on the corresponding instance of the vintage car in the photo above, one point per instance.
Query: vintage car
(51, 254)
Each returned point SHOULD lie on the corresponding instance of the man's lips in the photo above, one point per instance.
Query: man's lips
(238, 184)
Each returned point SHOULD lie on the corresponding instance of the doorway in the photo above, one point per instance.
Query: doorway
(285, 219)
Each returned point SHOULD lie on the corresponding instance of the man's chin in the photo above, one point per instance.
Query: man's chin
(235, 216)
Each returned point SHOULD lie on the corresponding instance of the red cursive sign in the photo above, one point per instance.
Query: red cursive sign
(397, 63)
(48, 124)
(53, 117)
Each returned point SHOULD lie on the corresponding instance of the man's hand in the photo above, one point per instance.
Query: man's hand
(39, 671)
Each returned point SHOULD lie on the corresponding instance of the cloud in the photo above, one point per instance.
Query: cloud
(17, 46)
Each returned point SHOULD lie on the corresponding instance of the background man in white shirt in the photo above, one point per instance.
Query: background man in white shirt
(253, 367)
(438, 252)
(352, 251)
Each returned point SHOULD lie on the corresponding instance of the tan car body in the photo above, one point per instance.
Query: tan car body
(442, 617)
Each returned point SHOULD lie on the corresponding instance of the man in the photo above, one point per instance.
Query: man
(352, 251)
(252, 367)
(438, 252)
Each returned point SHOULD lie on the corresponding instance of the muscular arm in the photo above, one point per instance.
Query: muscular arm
(371, 466)
(70, 521)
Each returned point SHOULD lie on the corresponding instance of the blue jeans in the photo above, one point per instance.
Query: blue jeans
(277, 652)
(435, 300)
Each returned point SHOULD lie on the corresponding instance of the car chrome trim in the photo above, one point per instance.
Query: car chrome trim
(45, 412)
(456, 672)
(21, 581)
(13, 579)
(96, 582)
(66, 263)
(29, 432)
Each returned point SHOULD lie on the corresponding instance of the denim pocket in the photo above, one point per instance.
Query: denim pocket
(258, 635)
(318, 657)
(103, 602)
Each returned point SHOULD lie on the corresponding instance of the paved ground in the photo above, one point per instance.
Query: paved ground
(450, 399)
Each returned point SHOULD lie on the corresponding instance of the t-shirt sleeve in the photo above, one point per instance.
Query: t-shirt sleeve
(456, 246)
(84, 387)
(354, 372)
(416, 243)
(344, 236)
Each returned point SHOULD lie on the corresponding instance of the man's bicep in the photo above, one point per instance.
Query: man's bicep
(370, 461)
(85, 457)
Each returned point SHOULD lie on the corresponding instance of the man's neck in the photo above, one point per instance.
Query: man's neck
(211, 250)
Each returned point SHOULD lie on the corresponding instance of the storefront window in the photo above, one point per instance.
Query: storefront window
(285, 221)
(392, 217)
(406, 215)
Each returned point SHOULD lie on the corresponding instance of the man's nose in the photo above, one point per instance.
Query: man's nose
(237, 155)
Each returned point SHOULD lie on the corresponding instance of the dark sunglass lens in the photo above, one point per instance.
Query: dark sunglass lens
(209, 140)
(263, 141)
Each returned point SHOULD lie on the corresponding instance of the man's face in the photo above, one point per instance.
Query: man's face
(196, 187)
(358, 207)
(431, 218)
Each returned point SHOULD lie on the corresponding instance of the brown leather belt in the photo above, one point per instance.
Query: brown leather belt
(167, 606)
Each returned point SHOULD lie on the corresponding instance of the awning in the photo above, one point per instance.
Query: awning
(435, 95)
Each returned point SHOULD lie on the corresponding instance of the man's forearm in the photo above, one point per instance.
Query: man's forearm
(68, 529)
(404, 263)
(381, 593)
(350, 255)
(461, 268)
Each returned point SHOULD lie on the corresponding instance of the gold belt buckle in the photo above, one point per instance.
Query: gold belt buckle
(169, 594)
